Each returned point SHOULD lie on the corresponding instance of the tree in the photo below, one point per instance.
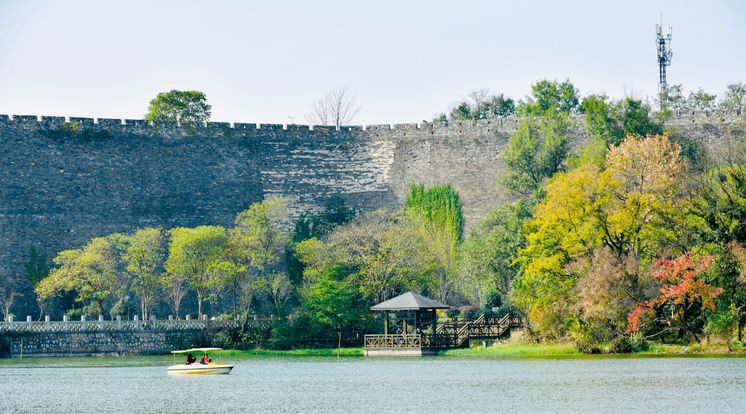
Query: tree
(144, 255)
(613, 121)
(637, 206)
(258, 237)
(336, 108)
(192, 253)
(335, 303)
(535, 152)
(734, 98)
(175, 287)
(673, 100)
(9, 290)
(93, 273)
(380, 251)
(684, 296)
(37, 267)
(186, 108)
(439, 206)
(489, 253)
(609, 287)
(550, 98)
(701, 101)
(480, 104)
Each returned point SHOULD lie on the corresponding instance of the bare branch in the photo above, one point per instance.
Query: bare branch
(336, 108)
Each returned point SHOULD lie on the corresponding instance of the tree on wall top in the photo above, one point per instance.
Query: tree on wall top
(179, 107)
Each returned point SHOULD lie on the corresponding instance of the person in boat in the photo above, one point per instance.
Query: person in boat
(204, 360)
(190, 359)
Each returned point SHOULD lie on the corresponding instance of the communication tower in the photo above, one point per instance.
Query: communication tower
(663, 44)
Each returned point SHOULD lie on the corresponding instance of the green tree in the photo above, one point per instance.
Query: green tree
(481, 104)
(337, 304)
(550, 98)
(535, 152)
(258, 237)
(700, 100)
(383, 253)
(439, 205)
(734, 98)
(612, 122)
(93, 273)
(192, 254)
(179, 107)
(489, 253)
(144, 255)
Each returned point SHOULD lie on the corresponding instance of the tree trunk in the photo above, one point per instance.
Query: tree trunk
(339, 339)
(199, 304)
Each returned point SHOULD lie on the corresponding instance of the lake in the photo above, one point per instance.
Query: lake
(416, 385)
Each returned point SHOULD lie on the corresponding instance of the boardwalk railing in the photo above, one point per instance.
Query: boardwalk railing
(126, 325)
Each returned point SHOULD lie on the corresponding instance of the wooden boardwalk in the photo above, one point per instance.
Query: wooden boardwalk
(448, 335)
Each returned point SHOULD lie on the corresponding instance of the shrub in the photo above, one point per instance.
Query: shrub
(627, 344)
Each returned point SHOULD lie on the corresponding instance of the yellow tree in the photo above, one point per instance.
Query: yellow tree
(637, 206)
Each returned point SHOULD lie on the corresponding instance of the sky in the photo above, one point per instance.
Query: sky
(404, 61)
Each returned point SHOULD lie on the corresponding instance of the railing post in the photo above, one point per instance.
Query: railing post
(170, 317)
(119, 322)
(65, 323)
(46, 322)
(152, 321)
(10, 322)
(28, 322)
(189, 317)
(82, 323)
(100, 322)
(135, 320)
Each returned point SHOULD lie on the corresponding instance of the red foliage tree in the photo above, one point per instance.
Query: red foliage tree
(684, 294)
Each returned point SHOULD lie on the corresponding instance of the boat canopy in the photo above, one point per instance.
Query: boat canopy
(184, 351)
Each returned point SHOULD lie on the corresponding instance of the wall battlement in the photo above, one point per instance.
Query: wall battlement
(507, 124)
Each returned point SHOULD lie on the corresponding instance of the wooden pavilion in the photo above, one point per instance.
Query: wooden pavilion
(414, 330)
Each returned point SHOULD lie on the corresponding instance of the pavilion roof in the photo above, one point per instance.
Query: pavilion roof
(409, 301)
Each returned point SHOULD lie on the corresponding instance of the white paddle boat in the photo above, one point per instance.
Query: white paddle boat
(202, 366)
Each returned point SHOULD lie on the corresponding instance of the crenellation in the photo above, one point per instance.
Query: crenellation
(298, 128)
(53, 121)
(136, 122)
(351, 128)
(82, 121)
(241, 125)
(109, 122)
(26, 118)
(219, 125)
(406, 127)
(272, 127)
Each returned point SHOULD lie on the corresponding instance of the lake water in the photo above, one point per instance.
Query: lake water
(357, 385)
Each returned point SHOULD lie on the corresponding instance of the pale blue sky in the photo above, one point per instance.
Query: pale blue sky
(405, 61)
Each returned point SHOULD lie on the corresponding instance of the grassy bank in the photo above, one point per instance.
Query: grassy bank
(517, 350)
(567, 349)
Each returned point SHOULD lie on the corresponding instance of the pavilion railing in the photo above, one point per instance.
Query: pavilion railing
(395, 341)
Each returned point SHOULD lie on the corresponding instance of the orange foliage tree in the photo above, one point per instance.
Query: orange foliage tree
(684, 296)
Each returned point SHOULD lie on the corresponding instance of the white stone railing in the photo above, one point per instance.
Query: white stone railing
(101, 325)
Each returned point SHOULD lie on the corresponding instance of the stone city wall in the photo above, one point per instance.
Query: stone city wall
(65, 180)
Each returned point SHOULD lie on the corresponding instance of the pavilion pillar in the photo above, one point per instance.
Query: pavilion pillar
(385, 322)
(434, 322)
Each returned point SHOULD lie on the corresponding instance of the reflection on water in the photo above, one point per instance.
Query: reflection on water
(417, 385)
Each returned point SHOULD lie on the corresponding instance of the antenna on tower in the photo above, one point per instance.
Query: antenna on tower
(663, 44)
